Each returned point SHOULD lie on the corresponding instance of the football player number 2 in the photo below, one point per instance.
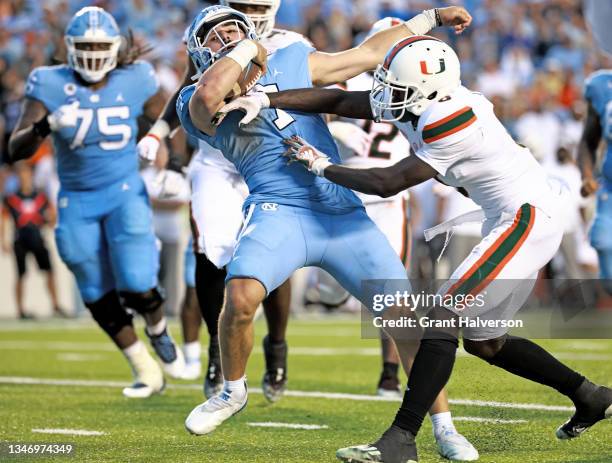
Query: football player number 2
(283, 119)
(105, 126)
(384, 134)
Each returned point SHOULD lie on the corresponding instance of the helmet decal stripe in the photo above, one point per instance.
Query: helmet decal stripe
(404, 43)
(93, 19)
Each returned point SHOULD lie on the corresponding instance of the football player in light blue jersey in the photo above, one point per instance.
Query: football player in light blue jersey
(598, 128)
(104, 234)
(292, 220)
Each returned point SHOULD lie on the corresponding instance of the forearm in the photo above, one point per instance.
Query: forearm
(24, 143)
(355, 105)
(212, 89)
(330, 68)
(374, 181)
(586, 159)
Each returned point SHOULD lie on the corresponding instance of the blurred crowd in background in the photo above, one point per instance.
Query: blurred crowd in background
(530, 57)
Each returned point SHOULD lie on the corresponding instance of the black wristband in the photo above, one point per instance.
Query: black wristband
(175, 163)
(438, 18)
(42, 128)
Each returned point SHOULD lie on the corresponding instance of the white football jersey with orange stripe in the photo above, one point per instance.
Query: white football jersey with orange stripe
(277, 39)
(462, 139)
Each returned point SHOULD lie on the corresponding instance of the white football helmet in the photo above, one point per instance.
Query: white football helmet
(416, 72)
(384, 24)
(264, 22)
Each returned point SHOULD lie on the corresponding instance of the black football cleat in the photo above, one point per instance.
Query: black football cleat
(213, 379)
(274, 381)
(593, 404)
(394, 446)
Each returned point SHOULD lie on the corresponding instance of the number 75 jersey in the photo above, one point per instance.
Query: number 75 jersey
(101, 148)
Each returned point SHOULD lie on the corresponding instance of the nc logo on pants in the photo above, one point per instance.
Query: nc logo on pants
(269, 206)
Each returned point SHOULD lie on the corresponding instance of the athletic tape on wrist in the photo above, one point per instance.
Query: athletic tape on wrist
(160, 130)
(319, 166)
(243, 53)
(422, 23)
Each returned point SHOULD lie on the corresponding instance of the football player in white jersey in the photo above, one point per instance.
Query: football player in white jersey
(458, 140)
(218, 193)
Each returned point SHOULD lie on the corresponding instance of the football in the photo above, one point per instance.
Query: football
(247, 80)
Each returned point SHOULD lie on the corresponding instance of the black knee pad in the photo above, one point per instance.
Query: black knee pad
(440, 340)
(143, 303)
(109, 313)
(486, 350)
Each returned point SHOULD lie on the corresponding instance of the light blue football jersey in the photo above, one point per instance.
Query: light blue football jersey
(101, 149)
(257, 149)
(598, 90)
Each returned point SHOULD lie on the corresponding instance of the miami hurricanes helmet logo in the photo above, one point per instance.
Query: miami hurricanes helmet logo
(426, 72)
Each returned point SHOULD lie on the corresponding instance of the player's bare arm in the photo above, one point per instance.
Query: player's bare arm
(220, 80)
(30, 130)
(587, 151)
(384, 182)
(330, 68)
(355, 105)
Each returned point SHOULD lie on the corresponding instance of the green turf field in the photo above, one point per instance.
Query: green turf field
(324, 356)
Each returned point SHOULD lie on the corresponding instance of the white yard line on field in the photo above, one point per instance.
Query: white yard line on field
(78, 357)
(296, 350)
(272, 424)
(479, 419)
(69, 432)
(289, 393)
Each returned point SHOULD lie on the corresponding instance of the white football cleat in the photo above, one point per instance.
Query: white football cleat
(207, 416)
(171, 357)
(454, 446)
(192, 370)
(140, 390)
(148, 376)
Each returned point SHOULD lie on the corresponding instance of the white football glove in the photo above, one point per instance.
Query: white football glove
(352, 136)
(149, 145)
(147, 148)
(169, 184)
(307, 155)
(64, 116)
(251, 104)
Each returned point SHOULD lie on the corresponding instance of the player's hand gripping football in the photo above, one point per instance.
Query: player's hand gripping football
(251, 104)
(300, 151)
(261, 59)
(456, 17)
(64, 116)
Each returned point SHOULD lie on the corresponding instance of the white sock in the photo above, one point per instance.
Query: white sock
(192, 351)
(236, 387)
(132, 351)
(442, 422)
(158, 328)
